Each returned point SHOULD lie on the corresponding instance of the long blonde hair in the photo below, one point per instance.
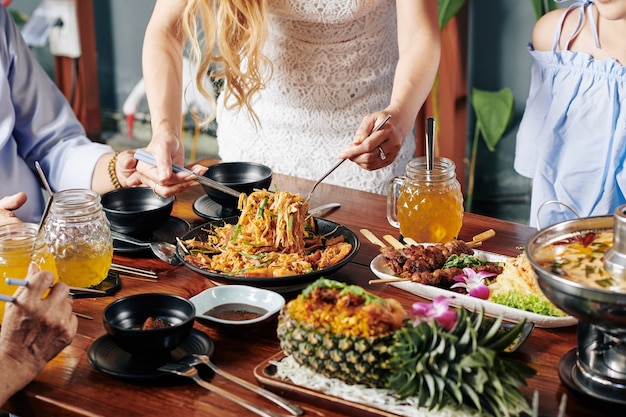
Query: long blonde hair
(238, 29)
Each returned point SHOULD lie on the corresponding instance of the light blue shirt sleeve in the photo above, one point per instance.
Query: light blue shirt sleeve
(37, 124)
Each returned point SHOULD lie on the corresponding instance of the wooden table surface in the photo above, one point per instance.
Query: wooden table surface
(70, 386)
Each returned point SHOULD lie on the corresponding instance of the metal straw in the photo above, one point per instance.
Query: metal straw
(430, 142)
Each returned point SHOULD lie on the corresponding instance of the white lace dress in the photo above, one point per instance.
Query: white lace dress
(333, 63)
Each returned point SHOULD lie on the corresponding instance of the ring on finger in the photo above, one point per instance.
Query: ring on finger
(381, 154)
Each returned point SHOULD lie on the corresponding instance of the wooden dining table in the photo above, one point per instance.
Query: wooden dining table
(70, 386)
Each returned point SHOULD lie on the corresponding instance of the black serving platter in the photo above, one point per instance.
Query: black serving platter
(280, 284)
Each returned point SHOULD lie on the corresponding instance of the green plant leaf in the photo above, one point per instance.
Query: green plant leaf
(542, 7)
(494, 111)
(19, 17)
(447, 9)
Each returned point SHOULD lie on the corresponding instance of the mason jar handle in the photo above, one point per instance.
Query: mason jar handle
(545, 203)
(392, 200)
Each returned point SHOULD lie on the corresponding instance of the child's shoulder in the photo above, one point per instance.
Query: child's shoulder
(546, 27)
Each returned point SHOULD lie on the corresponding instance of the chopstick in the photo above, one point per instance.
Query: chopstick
(129, 270)
(24, 283)
(89, 290)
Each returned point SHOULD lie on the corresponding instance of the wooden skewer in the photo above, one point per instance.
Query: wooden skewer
(394, 242)
(481, 237)
(372, 238)
(382, 281)
(476, 241)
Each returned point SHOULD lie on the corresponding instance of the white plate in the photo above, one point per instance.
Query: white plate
(381, 270)
(255, 298)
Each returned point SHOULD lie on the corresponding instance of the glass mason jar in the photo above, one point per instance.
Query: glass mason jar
(21, 245)
(79, 236)
(427, 205)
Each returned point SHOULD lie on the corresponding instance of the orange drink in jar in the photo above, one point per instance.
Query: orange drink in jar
(79, 236)
(21, 245)
(426, 205)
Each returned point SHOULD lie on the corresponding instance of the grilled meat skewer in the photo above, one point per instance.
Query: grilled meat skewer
(420, 258)
(422, 264)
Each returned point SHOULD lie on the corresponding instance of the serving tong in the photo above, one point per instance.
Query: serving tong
(148, 158)
(186, 367)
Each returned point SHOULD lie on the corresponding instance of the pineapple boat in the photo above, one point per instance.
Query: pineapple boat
(342, 331)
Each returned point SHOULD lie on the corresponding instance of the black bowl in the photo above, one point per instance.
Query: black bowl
(136, 211)
(124, 318)
(241, 176)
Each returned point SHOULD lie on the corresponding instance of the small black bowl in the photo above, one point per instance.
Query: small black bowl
(241, 176)
(136, 211)
(124, 318)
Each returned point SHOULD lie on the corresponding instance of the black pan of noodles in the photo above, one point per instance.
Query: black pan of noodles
(279, 284)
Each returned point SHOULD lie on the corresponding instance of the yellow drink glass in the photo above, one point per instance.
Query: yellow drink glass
(79, 236)
(426, 205)
(21, 245)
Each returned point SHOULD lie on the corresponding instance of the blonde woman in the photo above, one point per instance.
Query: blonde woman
(304, 83)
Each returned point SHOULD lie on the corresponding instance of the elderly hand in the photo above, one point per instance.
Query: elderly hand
(34, 330)
(166, 149)
(8, 204)
(374, 150)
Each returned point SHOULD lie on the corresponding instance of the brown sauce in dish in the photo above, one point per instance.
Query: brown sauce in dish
(235, 312)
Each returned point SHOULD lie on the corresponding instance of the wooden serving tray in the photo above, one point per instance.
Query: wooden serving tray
(265, 374)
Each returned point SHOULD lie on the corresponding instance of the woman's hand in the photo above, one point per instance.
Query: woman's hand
(374, 150)
(126, 169)
(166, 149)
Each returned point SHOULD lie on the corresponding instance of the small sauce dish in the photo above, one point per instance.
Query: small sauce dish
(237, 305)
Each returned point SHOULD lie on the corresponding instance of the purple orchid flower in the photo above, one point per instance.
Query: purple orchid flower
(437, 310)
(473, 282)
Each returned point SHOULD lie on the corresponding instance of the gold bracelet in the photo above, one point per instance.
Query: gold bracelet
(111, 169)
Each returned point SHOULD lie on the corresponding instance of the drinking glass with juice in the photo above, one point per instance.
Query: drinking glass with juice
(21, 245)
(79, 236)
(426, 204)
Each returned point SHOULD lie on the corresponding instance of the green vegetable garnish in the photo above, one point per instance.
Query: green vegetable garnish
(262, 207)
(533, 303)
(464, 261)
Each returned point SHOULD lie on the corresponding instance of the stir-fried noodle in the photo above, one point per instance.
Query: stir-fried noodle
(274, 237)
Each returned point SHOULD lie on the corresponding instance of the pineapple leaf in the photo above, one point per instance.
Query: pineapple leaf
(471, 395)
(506, 338)
(458, 366)
(454, 391)
(493, 330)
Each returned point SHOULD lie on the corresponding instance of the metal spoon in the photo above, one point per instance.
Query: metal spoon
(293, 409)
(321, 209)
(327, 173)
(50, 197)
(165, 251)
